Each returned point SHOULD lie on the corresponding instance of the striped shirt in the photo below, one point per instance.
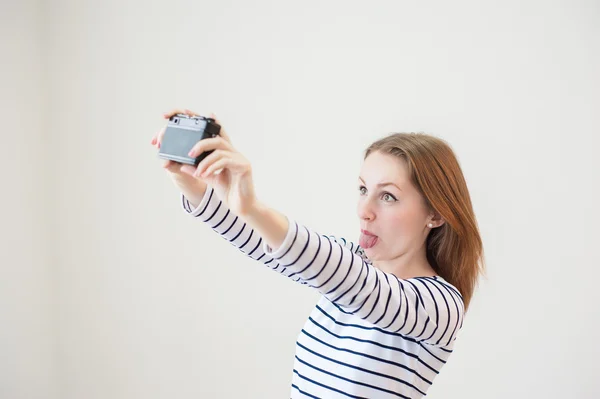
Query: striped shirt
(371, 334)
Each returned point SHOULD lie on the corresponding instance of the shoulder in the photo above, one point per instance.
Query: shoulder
(438, 289)
(354, 247)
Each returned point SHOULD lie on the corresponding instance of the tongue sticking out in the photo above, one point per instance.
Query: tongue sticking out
(367, 241)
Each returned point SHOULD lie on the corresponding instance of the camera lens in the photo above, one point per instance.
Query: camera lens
(176, 120)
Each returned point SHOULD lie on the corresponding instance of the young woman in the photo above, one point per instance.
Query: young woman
(391, 306)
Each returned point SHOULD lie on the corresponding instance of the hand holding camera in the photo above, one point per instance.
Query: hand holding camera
(198, 151)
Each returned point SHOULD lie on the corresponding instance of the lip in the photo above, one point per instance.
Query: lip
(367, 232)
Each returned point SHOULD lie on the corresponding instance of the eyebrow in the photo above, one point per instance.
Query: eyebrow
(383, 184)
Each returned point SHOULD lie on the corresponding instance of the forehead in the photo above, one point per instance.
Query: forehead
(380, 167)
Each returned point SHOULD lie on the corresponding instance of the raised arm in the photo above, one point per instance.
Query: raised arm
(427, 309)
(215, 213)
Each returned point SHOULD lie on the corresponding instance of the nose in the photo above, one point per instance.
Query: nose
(365, 210)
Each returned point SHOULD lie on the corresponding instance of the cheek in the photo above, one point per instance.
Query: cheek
(403, 222)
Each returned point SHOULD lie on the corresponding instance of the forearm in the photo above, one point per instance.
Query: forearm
(233, 228)
(270, 224)
(195, 195)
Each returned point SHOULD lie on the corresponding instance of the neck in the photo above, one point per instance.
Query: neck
(407, 265)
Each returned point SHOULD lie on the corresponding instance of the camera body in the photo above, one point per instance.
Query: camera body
(182, 133)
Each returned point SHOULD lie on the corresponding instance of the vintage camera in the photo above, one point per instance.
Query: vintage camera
(182, 133)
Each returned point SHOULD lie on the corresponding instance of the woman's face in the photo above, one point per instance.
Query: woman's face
(390, 207)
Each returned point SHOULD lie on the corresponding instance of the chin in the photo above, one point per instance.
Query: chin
(370, 254)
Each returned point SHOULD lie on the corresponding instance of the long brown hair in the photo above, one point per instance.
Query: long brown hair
(455, 249)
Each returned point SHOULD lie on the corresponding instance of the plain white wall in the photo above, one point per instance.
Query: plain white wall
(28, 334)
(148, 303)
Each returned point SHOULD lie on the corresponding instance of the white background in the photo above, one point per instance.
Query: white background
(108, 290)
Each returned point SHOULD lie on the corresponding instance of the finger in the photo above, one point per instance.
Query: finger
(171, 166)
(155, 139)
(212, 143)
(220, 164)
(188, 169)
(175, 111)
(159, 136)
(210, 159)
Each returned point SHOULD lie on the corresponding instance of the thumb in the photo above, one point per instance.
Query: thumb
(171, 166)
(188, 169)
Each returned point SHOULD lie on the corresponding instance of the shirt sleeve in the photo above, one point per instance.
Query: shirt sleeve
(425, 308)
(215, 213)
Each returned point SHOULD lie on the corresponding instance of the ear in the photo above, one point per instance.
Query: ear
(435, 219)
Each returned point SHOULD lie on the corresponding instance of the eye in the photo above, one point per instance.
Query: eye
(392, 198)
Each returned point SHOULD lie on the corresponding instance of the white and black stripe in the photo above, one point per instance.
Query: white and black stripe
(371, 335)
